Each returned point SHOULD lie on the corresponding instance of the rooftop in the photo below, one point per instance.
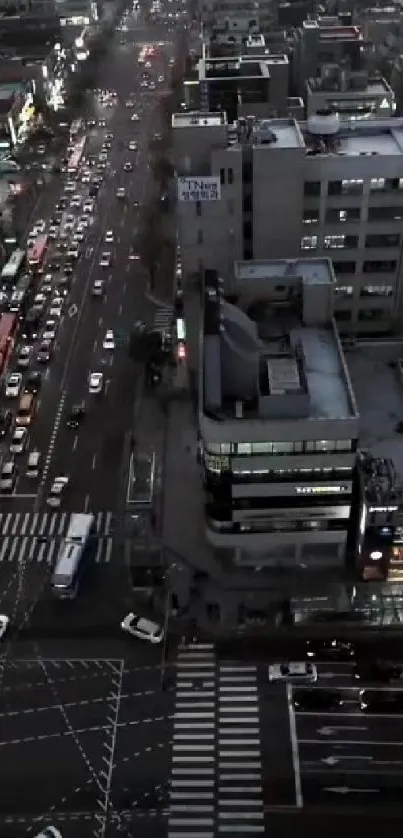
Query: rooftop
(284, 132)
(196, 118)
(377, 380)
(279, 356)
(356, 86)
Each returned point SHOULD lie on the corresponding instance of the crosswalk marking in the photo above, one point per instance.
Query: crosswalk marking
(163, 319)
(36, 536)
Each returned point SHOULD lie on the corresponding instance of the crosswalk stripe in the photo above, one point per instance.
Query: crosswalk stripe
(36, 537)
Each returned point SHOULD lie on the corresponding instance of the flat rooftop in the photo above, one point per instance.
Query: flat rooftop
(286, 131)
(378, 388)
(388, 142)
(312, 270)
(196, 118)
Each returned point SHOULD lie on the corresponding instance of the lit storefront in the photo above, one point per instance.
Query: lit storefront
(18, 114)
(54, 78)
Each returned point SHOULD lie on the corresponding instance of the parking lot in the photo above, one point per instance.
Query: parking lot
(71, 733)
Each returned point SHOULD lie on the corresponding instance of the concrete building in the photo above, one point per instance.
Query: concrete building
(352, 95)
(277, 189)
(278, 422)
(324, 41)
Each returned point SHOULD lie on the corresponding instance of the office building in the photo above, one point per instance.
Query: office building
(277, 419)
(264, 189)
(352, 95)
(326, 40)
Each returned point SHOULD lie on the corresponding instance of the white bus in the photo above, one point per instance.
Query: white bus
(70, 562)
(76, 128)
(14, 265)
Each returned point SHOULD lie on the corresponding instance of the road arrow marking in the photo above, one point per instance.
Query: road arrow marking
(329, 731)
(72, 310)
(347, 790)
(332, 761)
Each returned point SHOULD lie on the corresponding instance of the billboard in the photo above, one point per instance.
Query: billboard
(199, 189)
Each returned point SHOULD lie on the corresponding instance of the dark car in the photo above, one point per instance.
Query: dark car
(317, 699)
(44, 352)
(382, 671)
(33, 383)
(76, 415)
(6, 420)
(330, 649)
(31, 324)
(68, 268)
(381, 701)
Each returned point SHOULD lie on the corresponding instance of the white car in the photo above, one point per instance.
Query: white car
(68, 227)
(109, 340)
(70, 186)
(135, 117)
(49, 832)
(19, 440)
(8, 476)
(109, 237)
(142, 628)
(121, 192)
(53, 232)
(4, 622)
(40, 225)
(75, 202)
(105, 260)
(56, 307)
(79, 235)
(49, 332)
(24, 357)
(46, 284)
(57, 490)
(13, 385)
(86, 177)
(133, 145)
(88, 207)
(296, 672)
(96, 382)
(39, 299)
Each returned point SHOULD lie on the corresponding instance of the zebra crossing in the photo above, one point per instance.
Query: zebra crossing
(216, 770)
(163, 318)
(36, 536)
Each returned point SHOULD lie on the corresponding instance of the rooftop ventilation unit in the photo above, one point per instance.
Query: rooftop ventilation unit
(324, 123)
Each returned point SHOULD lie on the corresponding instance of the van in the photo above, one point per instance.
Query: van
(34, 463)
(25, 409)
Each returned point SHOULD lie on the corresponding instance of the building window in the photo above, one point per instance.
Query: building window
(352, 186)
(377, 184)
(309, 242)
(382, 240)
(230, 176)
(198, 209)
(340, 242)
(312, 188)
(392, 184)
(376, 291)
(341, 268)
(368, 314)
(200, 237)
(344, 291)
(222, 177)
(342, 316)
(334, 187)
(380, 266)
(385, 213)
(326, 446)
(339, 216)
(311, 216)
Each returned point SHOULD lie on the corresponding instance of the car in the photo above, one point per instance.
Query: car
(33, 383)
(40, 226)
(311, 700)
(68, 269)
(24, 356)
(88, 207)
(75, 202)
(73, 251)
(4, 623)
(70, 187)
(109, 237)
(384, 672)
(96, 383)
(334, 649)
(109, 340)
(105, 259)
(297, 672)
(109, 136)
(134, 256)
(101, 123)
(128, 167)
(39, 300)
(44, 352)
(13, 385)
(57, 490)
(34, 464)
(47, 285)
(103, 157)
(76, 415)
(31, 324)
(19, 440)
(381, 701)
(49, 331)
(135, 117)
(8, 476)
(53, 232)
(56, 307)
(129, 103)
(86, 176)
(133, 145)
(98, 288)
(121, 192)
(142, 628)
(6, 420)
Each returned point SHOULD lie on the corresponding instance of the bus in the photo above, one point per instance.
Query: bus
(37, 253)
(12, 268)
(76, 128)
(21, 296)
(70, 563)
(75, 157)
(8, 333)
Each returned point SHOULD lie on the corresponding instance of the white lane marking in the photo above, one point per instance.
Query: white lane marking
(75, 441)
(94, 461)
